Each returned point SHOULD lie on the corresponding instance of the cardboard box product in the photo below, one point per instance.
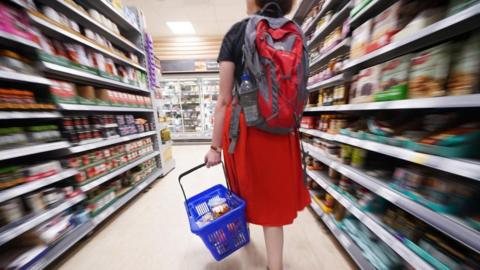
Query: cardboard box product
(368, 84)
(63, 92)
(429, 71)
(360, 39)
(464, 77)
(394, 80)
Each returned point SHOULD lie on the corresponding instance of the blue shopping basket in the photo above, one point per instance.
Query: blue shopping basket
(226, 234)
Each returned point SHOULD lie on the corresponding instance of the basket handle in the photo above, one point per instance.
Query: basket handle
(196, 168)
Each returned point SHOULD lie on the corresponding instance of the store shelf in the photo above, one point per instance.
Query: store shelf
(168, 167)
(86, 21)
(347, 243)
(29, 222)
(107, 142)
(60, 248)
(443, 30)
(18, 3)
(23, 78)
(13, 41)
(126, 198)
(11, 115)
(318, 133)
(105, 8)
(336, 80)
(117, 172)
(371, 10)
(71, 74)
(98, 108)
(32, 150)
(61, 33)
(449, 225)
(303, 9)
(466, 101)
(336, 20)
(341, 48)
(370, 222)
(462, 167)
(328, 5)
(19, 190)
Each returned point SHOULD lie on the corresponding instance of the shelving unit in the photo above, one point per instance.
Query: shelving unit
(352, 249)
(16, 191)
(447, 224)
(88, 78)
(372, 224)
(462, 167)
(98, 108)
(29, 222)
(32, 150)
(87, 21)
(23, 78)
(130, 40)
(336, 20)
(302, 10)
(453, 227)
(462, 22)
(49, 26)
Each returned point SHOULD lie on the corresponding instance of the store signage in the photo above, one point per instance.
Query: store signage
(188, 66)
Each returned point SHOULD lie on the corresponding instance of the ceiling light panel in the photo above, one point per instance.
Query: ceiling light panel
(181, 28)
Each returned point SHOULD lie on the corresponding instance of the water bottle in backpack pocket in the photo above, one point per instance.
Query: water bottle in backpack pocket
(248, 95)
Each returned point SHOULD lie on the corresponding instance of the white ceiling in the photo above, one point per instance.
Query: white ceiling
(209, 17)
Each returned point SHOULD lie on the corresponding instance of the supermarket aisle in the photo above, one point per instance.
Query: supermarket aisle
(152, 233)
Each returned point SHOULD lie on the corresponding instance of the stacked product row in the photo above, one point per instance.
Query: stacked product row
(390, 132)
(78, 138)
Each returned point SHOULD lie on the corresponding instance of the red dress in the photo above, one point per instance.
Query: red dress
(265, 170)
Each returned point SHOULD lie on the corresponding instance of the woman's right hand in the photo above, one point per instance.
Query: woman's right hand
(213, 158)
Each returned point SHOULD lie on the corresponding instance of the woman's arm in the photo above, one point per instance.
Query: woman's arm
(227, 71)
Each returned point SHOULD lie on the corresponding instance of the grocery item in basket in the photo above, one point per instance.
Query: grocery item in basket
(429, 71)
(394, 82)
(368, 84)
(360, 39)
(218, 206)
(464, 76)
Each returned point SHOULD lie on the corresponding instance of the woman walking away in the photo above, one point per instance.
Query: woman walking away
(260, 142)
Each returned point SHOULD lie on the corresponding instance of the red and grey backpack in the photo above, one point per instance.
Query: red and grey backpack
(276, 60)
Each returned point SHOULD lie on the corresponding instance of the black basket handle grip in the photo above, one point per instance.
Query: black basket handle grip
(194, 169)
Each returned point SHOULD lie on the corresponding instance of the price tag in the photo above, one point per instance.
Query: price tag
(420, 158)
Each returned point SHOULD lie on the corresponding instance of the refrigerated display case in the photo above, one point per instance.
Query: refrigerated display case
(188, 105)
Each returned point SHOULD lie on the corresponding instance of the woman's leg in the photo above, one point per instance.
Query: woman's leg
(274, 243)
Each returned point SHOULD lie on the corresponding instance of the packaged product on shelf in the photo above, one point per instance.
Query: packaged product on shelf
(394, 81)
(432, 13)
(367, 86)
(14, 62)
(86, 94)
(63, 92)
(12, 136)
(11, 211)
(308, 122)
(389, 22)
(361, 37)
(456, 6)
(429, 71)
(465, 72)
(15, 22)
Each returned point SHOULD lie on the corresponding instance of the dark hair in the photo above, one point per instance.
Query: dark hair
(285, 5)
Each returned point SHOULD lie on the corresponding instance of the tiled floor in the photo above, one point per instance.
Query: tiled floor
(152, 233)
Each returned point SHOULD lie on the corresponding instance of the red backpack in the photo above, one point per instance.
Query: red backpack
(276, 63)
